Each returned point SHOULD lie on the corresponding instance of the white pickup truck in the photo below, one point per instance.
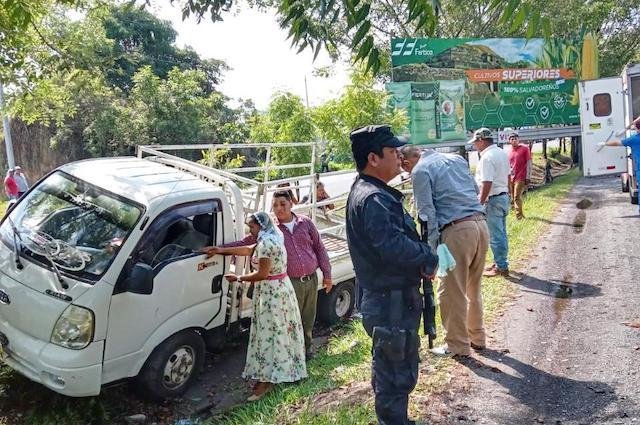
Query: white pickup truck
(101, 279)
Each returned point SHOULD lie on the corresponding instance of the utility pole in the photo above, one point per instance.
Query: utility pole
(306, 91)
(6, 126)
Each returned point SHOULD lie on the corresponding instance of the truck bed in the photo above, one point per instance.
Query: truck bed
(336, 246)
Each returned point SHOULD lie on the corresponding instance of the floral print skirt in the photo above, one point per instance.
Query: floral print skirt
(276, 340)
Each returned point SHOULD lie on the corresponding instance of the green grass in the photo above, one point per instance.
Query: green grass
(327, 396)
(347, 357)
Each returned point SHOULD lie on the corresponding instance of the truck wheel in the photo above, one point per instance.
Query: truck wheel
(633, 194)
(172, 366)
(625, 184)
(337, 304)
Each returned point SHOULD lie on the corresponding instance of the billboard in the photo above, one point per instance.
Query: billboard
(508, 82)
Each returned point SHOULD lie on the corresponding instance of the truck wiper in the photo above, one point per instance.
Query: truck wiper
(17, 247)
(46, 255)
(57, 272)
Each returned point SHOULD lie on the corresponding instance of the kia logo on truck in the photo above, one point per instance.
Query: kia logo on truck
(4, 298)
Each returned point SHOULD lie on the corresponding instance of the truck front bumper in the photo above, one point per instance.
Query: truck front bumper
(75, 373)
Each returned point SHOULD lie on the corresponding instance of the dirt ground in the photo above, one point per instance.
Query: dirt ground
(567, 350)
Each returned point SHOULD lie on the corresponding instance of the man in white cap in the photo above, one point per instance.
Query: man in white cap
(492, 177)
(21, 181)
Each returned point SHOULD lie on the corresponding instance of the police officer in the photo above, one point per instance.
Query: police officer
(388, 259)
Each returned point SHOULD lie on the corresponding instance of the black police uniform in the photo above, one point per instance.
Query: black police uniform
(387, 257)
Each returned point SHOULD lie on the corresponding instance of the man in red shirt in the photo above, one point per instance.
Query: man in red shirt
(520, 162)
(10, 185)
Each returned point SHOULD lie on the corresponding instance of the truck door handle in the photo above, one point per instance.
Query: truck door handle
(216, 284)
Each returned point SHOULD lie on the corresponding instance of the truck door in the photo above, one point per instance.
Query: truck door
(187, 288)
(601, 113)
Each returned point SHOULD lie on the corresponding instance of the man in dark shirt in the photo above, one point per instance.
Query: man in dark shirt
(388, 259)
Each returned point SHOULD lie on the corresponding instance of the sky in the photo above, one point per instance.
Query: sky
(256, 49)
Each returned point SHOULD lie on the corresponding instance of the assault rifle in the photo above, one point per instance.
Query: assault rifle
(429, 312)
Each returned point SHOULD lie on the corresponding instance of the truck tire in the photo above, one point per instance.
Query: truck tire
(337, 304)
(633, 194)
(172, 366)
(625, 184)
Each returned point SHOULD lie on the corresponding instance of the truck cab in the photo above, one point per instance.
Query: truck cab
(101, 277)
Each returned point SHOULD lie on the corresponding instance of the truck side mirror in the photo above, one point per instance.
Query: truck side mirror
(141, 279)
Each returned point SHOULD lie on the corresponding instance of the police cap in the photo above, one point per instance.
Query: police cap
(373, 137)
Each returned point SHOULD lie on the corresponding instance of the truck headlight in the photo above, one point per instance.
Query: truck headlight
(74, 328)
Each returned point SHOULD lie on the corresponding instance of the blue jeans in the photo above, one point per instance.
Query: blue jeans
(497, 209)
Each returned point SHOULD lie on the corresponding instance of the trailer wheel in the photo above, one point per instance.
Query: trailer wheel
(172, 366)
(337, 304)
(625, 183)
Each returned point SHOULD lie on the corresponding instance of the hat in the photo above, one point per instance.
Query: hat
(511, 132)
(374, 136)
(481, 133)
(17, 167)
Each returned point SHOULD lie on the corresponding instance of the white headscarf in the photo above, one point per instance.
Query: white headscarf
(268, 229)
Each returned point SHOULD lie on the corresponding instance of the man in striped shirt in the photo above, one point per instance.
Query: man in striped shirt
(305, 254)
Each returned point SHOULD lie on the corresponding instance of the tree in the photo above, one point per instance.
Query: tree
(287, 120)
(104, 95)
(361, 104)
(141, 39)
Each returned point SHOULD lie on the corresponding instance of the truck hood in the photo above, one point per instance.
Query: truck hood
(30, 300)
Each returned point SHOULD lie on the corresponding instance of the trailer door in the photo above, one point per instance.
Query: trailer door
(601, 113)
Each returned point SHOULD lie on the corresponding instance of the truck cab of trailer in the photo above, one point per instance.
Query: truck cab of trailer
(101, 277)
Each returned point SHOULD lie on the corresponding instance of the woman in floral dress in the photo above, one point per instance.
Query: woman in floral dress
(276, 341)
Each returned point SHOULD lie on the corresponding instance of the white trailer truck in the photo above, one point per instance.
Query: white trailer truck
(101, 278)
(631, 92)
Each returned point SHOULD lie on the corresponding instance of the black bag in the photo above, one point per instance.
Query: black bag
(250, 290)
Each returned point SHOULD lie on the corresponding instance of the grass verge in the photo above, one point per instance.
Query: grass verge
(346, 360)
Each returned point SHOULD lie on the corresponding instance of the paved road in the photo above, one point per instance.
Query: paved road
(562, 353)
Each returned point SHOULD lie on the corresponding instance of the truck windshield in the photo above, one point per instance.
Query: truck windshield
(69, 222)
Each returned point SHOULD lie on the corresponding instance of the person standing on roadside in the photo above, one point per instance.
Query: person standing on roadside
(631, 142)
(306, 253)
(21, 181)
(10, 185)
(520, 163)
(492, 177)
(446, 199)
(389, 260)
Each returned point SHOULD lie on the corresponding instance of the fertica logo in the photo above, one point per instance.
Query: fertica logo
(408, 47)
(518, 74)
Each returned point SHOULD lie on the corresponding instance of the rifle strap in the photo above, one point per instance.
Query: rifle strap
(396, 307)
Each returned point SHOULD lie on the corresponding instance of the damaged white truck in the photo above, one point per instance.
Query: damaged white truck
(101, 278)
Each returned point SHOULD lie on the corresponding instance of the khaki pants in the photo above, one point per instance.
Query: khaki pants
(307, 295)
(516, 189)
(459, 293)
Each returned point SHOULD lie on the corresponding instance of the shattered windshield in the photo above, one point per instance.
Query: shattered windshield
(71, 223)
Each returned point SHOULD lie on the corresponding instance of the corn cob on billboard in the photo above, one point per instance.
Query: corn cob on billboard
(508, 82)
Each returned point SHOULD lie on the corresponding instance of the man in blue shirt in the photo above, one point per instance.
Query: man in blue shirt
(632, 142)
(446, 198)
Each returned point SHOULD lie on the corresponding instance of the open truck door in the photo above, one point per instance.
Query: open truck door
(601, 116)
